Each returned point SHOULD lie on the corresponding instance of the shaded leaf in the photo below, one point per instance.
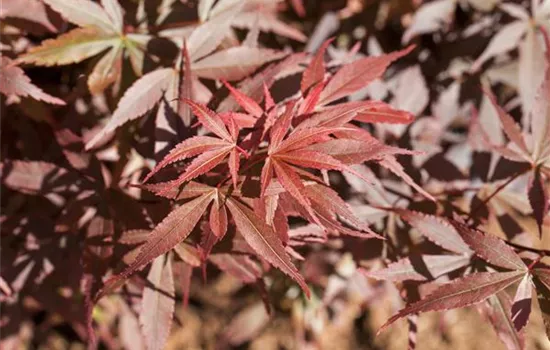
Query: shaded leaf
(490, 248)
(460, 292)
(158, 304)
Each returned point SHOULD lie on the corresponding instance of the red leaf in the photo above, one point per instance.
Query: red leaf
(186, 86)
(437, 230)
(421, 268)
(140, 98)
(171, 231)
(510, 127)
(315, 72)
(14, 81)
(460, 292)
(264, 241)
(210, 120)
(200, 165)
(281, 126)
(393, 165)
(244, 101)
(218, 218)
(357, 75)
(157, 309)
(490, 248)
(186, 149)
(239, 266)
(384, 114)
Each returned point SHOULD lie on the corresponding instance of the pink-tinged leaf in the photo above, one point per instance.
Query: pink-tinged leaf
(84, 13)
(384, 114)
(234, 164)
(521, 309)
(210, 120)
(218, 219)
(358, 74)
(393, 165)
(531, 68)
(264, 241)
(252, 87)
(311, 159)
(14, 81)
(490, 248)
(515, 10)
(505, 40)
(538, 198)
(299, 8)
(186, 149)
(315, 71)
(310, 102)
(430, 17)
(269, 102)
(188, 254)
(266, 175)
(201, 165)
(356, 152)
(191, 190)
(305, 137)
(158, 303)
(242, 120)
(420, 268)
(186, 86)
(414, 101)
(31, 10)
(293, 184)
(208, 36)
(540, 119)
(166, 235)
(461, 292)
(31, 176)
(437, 230)
(140, 98)
(340, 114)
(510, 127)
(267, 21)
(245, 102)
(241, 267)
(330, 200)
(132, 237)
(234, 63)
(281, 126)
(498, 311)
(246, 325)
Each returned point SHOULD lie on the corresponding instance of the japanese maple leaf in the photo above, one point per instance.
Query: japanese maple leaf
(470, 289)
(101, 29)
(14, 81)
(198, 60)
(31, 10)
(212, 151)
(522, 33)
(437, 15)
(262, 13)
(532, 147)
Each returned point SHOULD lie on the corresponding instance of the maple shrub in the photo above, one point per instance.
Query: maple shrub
(188, 150)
